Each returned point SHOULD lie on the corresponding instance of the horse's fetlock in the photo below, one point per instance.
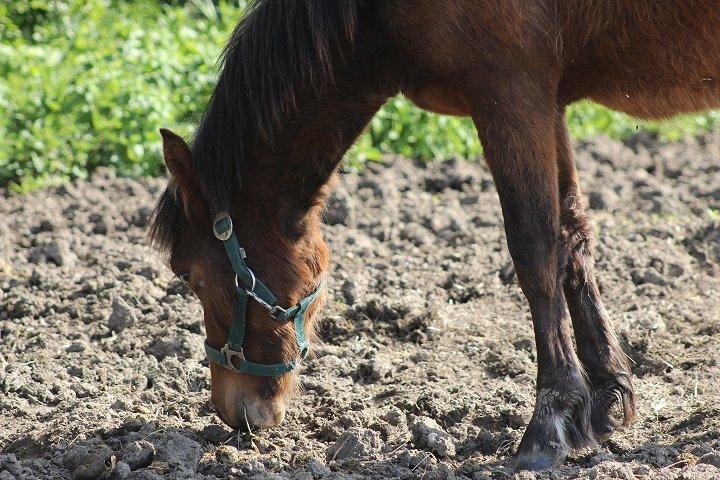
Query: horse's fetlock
(611, 390)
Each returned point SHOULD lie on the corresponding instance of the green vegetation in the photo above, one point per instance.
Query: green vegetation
(87, 83)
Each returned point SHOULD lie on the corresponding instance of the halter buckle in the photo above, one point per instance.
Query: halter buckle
(229, 354)
(222, 232)
(276, 311)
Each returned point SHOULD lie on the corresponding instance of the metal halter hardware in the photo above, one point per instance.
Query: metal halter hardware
(247, 286)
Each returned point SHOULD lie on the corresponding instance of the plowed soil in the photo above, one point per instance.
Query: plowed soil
(427, 365)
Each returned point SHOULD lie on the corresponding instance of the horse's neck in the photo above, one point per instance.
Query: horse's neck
(309, 148)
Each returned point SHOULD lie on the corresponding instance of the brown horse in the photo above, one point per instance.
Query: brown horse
(299, 82)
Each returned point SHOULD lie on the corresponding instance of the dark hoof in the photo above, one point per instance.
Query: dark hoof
(560, 424)
(539, 462)
(612, 392)
(544, 444)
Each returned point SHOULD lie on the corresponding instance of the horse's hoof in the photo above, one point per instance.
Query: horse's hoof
(560, 424)
(543, 446)
(540, 461)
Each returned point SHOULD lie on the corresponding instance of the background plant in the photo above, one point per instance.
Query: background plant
(87, 83)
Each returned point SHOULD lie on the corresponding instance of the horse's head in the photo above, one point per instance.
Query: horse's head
(267, 246)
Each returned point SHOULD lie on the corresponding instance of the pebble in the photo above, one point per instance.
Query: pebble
(148, 272)
(379, 368)
(613, 469)
(9, 465)
(121, 316)
(451, 175)
(100, 223)
(428, 434)
(641, 470)
(646, 321)
(78, 454)
(442, 472)
(147, 474)
(141, 216)
(47, 225)
(254, 467)
(602, 456)
(77, 346)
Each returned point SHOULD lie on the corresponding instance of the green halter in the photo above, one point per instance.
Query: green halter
(248, 286)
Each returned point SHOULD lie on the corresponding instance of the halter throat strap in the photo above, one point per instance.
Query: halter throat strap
(247, 287)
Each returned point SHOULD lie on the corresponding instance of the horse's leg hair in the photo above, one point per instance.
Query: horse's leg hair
(597, 346)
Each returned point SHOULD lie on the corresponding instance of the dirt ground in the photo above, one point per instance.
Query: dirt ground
(427, 368)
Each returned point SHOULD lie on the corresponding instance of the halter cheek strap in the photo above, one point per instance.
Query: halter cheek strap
(248, 286)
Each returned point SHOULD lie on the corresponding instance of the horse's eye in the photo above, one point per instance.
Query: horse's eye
(184, 278)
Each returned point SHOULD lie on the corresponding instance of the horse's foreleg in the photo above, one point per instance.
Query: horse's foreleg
(597, 345)
(519, 142)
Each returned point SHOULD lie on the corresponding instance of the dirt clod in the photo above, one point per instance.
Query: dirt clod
(56, 251)
(138, 454)
(427, 434)
(227, 455)
(96, 466)
(178, 451)
(121, 315)
(356, 443)
(122, 470)
(710, 459)
(216, 434)
(318, 469)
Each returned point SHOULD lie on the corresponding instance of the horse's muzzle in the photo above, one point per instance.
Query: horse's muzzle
(252, 414)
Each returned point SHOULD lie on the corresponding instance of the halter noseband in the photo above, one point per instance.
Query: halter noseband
(248, 286)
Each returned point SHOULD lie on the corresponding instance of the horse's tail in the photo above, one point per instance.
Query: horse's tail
(282, 44)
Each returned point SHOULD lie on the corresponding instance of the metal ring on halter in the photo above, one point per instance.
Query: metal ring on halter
(254, 280)
(251, 291)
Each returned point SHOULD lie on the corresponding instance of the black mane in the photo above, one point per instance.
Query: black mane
(280, 48)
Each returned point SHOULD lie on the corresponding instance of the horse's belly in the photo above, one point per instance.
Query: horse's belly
(663, 101)
(439, 100)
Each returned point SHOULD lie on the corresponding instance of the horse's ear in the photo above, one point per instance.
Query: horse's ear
(178, 160)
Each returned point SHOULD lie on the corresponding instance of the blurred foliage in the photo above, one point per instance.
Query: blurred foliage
(86, 83)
